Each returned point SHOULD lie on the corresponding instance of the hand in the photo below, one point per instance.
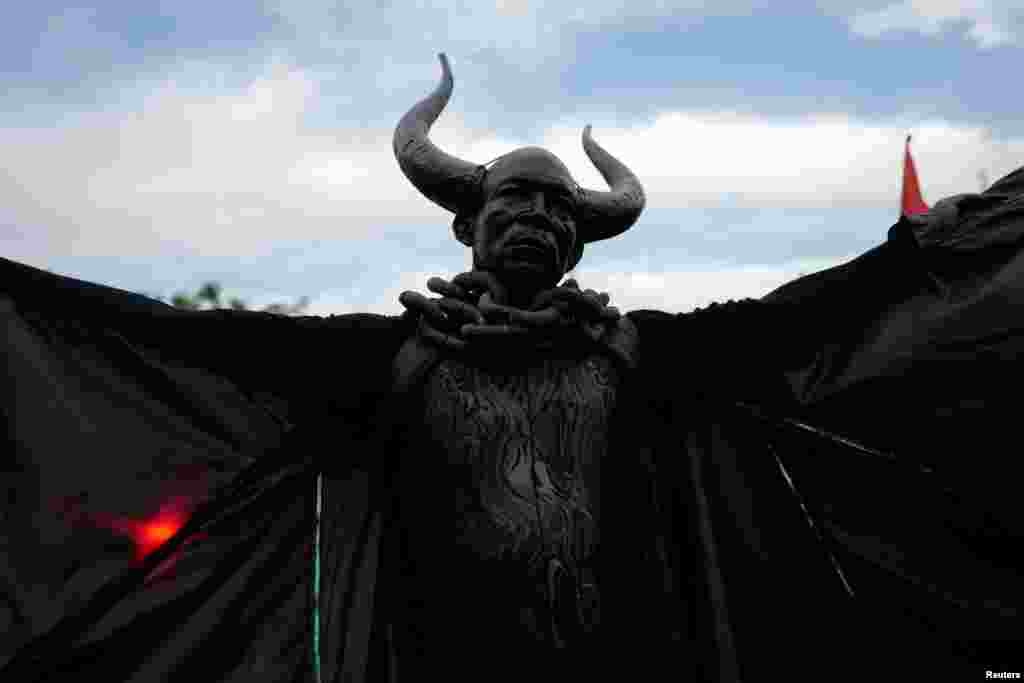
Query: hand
(467, 311)
(483, 288)
(561, 307)
(441, 318)
(586, 306)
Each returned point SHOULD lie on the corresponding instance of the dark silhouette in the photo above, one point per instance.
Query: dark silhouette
(519, 480)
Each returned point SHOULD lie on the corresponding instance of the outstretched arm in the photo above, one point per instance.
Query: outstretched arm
(334, 366)
(740, 349)
(729, 350)
(318, 366)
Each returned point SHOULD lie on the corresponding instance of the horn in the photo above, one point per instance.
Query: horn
(607, 214)
(442, 178)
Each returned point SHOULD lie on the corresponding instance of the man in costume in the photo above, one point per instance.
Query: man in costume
(513, 469)
(526, 422)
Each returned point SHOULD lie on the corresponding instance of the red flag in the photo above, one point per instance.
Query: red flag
(911, 202)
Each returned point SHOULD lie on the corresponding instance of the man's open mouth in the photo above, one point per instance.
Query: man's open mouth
(532, 252)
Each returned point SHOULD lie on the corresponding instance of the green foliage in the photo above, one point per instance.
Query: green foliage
(210, 292)
(182, 300)
(209, 296)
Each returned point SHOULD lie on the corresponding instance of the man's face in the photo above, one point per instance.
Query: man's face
(526, 230)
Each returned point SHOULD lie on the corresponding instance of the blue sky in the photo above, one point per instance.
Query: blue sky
(155, 145)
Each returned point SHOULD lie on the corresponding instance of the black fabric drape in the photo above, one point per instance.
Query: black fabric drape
(743, 541)
(106, 398)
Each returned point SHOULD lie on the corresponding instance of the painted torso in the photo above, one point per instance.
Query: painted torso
(524, 442)
(524, 448)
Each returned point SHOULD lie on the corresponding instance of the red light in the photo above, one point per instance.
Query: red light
(148, 533)
(158, 532)
(154, 532)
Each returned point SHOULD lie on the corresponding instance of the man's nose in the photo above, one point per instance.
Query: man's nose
(538, 202)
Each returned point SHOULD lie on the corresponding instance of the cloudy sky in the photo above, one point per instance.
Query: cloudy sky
(156, 144)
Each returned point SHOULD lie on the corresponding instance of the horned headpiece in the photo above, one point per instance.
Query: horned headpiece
(457, 185)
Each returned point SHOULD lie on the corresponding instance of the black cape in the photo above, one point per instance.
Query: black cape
(825, 488)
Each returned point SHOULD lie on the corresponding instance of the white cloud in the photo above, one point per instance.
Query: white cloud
(682, 291)
(215, 171)
(990, 23)
(534, 30)
(234, 171)
(685, 158)
(229, 171)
